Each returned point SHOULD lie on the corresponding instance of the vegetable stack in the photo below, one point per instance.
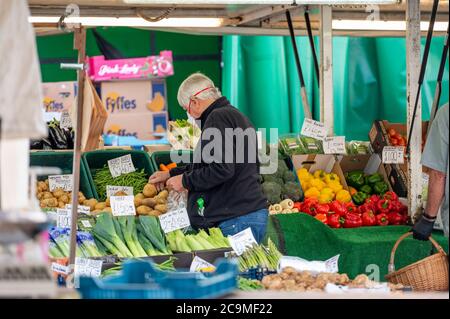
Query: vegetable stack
(178, 241)
(259, 256)
(362, 185)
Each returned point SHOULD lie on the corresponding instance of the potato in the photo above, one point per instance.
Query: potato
(154, 213)
(101, 205)
(58, 192)
(61, 204)
(91, 203)
(137, 201)
(47, 195)
(81, 200)
(40, 195)
(50, 202)
(107, 210)
(163, 194)
(161, 208)
(150, 202)
(65, 199)
(143, 210)
(150, 190)
(140, 196)
(108, 202)
(41, 186)
(161, 201)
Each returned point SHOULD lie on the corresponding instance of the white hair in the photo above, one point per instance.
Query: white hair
(194, 84)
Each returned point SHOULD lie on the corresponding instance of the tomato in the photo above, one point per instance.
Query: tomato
(398, 136)
(402, 142)
(392, 132)
(394, 141)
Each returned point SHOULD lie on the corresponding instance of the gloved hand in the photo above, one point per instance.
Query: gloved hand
(423, 228)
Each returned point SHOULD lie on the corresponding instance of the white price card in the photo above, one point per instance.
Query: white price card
(66, 121)
(174, 220)
(123, 205)
(198, 264)
(88, 267)
(60, 181)
(334, 145)
(60, 269)
(121, 165)
(393, 155)
(81, 209)
(63, 218)
(241, 241)
(86, 223)
(112, 190)
(314, 129)
(50, 116)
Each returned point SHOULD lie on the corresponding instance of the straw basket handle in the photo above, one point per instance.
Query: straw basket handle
(391, 267)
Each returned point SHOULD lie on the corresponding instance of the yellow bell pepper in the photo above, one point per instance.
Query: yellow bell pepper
(332, 177)
(335, 186)
(303, 174)
(343, 196)
(312, 192)
(326, 190)
(317, 183)
(325, 198)
(305, 184)
(320, 174)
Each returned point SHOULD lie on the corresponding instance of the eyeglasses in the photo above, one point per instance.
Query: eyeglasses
(190, 99)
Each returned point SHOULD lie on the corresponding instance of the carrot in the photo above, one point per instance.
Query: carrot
(171, 165)
(163, 168)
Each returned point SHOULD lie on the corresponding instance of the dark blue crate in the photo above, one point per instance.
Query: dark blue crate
(141, 280)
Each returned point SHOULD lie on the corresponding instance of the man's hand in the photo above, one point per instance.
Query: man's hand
(423, 228)
(159, 179)
(175, 183)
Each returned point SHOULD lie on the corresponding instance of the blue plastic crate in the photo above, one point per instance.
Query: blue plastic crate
(141, 280)
(256, 273)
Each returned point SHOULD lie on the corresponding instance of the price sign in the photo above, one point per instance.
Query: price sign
(66, 121)
(198, 264)
(50, 116)
(393, 155)
(334, 145)
(63, 218)
(314, 129)
(174, 220)
(122, 205)
(60, 269)
(86, 223)
(88, 267)
(113, 190)
(241, 241)
(60, 181)
(81, 209)
(121, 165)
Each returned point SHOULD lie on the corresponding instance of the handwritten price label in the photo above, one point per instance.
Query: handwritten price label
(393, 155)
(88, 267)
(63, 182)
(334, 145)
(314, 129)
(121, 165)
(174, 220)
(66, 121)
(241, 241)
(63, 218)
(60, 269)
(198, 264)
(113, 190)
(122, 205)
(81, 209)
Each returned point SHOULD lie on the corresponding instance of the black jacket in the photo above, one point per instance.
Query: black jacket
(229, 188)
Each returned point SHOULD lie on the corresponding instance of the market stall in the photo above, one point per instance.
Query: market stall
(106, 215)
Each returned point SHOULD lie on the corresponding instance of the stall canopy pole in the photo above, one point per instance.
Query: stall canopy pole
(311, 43)
(80, 45)
(306, 108)
(437, 94)
(423, 68)
(414, 167)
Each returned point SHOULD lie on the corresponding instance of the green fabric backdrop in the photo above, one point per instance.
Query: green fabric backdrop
(369, 74)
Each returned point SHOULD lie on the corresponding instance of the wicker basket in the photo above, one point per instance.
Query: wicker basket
(428, 274)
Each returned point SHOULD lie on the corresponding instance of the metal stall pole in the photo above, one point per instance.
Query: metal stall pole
(311, 43)
(306, 108)
(326, 69)
(437, 93)
(413, 74)
(80, 45)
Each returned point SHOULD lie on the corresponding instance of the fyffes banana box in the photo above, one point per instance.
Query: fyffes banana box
(59, 96)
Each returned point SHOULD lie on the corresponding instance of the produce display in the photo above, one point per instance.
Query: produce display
(59, 243)
(365, 185)
(325, 187)
(180, 242)
(164, 266)
(286, 206)
(295, 144)
(260, 256)
(396, 139)
(245, 284)
(281, 185)
(58, 138)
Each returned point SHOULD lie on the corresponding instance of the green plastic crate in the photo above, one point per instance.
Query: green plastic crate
(164, 157)
(97, 159)
(63, 160)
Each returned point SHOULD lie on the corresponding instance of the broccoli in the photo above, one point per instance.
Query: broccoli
(273, 178)
(282, 167)
(293, 191)
(272, 191)
(289, 176)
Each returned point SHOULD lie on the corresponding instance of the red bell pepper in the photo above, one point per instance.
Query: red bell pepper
(322, 217)
(309, 206)
(372, 200)
(322, 208)
(369, 218)
(384, 206)
(382, 219)
(366, 207)
(395, 218)
(298, 205)
(335, 220)
(352, 220)
(351, 208)
(390, 196)
(338, 208)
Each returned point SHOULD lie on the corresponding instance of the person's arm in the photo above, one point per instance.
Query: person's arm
(436, 191)
(179, 170)
(208, 177)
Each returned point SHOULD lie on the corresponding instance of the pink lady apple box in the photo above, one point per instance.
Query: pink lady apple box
(159, 66)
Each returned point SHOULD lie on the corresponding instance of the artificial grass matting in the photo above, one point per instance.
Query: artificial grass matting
(364, 250)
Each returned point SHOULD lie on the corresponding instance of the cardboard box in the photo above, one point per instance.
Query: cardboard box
(140, 125)
(314, 162)
(59, 96)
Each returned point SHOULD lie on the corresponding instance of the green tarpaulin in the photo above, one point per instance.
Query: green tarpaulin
(364, 250)
(260, 78)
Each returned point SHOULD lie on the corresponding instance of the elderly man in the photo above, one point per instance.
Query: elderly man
(435, 157)
(224, 189)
